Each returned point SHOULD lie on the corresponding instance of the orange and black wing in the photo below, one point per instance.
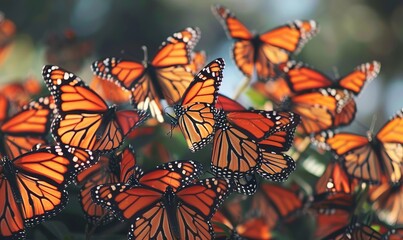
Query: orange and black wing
(41, 177)
(171, 63)
(300, 77)
(387, 201)
(195, 113)
(173, 174)
(262, 53)
(227, 104)
(276, 166)
(276, 203)
(317, 108)
(355, 80)
(197, 204)
(258, 124)
(332, 212)
(234, 154)
(356, 153)
(28, 128)
(141, 201)
(11, 219)
(334, 179)
(390, 138)
(84, 118)
(108, 170)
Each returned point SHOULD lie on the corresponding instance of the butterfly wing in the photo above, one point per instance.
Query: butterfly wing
(84, 119)
(198, 203)
(317, 108)
(387, 202)
(141, 203)
(276, 203)
(28, 127)
(355, 80)
(359, 158)
(41, 178)
(11, 220)
(195, 114)
(276, 166)
(390, 138)
(108, 170)
(173, 174)
(260, 124)
(276, 46)
(234, 154)
(300, 77)
(334, 179)
(227, 104)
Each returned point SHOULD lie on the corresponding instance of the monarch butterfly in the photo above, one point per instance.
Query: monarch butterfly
(277, 204)
(195, 112)
(84, 119)
(387, 201)
(246, 141)
(369, 158)
(166, 203)
(165, 77)
(302, 78)
(251, 228)
(333, 213)
(29, 127)
(32, 186)
(263, 53)
(111, 168)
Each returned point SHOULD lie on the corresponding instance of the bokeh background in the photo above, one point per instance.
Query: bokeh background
(74, 33)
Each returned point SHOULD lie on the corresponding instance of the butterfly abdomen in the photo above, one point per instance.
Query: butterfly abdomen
(170, 202)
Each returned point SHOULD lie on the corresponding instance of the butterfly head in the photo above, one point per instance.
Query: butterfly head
(145, 59)
(170, 198)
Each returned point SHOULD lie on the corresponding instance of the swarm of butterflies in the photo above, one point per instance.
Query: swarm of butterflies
(84, 135)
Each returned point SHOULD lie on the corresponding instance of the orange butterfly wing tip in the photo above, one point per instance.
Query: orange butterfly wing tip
(234, 28)
(291, 37)
(361, 74)
(172, 52)
(300, 77)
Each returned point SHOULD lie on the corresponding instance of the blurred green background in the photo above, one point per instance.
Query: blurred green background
(351, 33)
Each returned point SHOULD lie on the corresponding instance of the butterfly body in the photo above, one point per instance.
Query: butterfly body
(170, 202)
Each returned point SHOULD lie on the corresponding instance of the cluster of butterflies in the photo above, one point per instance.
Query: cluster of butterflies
(89, 145)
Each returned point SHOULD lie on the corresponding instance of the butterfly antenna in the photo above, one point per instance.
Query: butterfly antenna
(145, 50)
(336, 72)
(371, 129)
